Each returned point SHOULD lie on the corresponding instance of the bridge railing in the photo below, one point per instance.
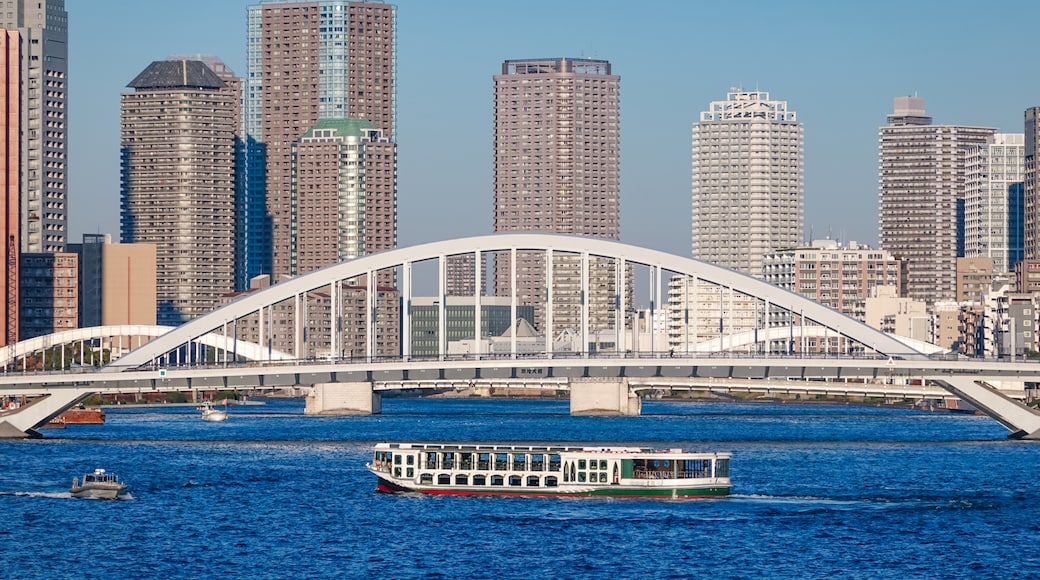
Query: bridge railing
(535, 357)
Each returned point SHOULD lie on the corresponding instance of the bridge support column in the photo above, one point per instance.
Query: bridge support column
(607, 397)
(343, 399)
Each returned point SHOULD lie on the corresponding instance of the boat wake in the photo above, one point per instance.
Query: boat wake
(47, 494)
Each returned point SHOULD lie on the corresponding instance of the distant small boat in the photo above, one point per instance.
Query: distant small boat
(211, 413)
(100, 485)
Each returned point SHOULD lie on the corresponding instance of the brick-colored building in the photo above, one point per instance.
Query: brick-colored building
(308, 61)
(556, 170)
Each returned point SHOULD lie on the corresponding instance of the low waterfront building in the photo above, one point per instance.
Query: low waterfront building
(460, 320)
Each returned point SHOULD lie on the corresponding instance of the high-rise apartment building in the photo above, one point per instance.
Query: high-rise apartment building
(342, 173)
(556, 170)
(10, 181)
(993, 201)
(307, 62)
(179, 142)
(922, 189)
(748, 180)
(42, 35)
(1031, 184)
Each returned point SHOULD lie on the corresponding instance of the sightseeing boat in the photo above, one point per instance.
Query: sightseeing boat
(100, 485)
(548, 470)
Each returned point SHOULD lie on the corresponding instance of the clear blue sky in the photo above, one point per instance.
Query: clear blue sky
(837, 64)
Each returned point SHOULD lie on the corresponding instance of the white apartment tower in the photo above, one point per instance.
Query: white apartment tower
(922, 185)
(993, 201)
(748, 180)
(42, 28)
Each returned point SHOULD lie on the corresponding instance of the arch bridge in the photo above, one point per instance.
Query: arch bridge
(344, 338)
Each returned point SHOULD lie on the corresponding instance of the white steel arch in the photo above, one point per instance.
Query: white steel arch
(552, 244)
(242, 348)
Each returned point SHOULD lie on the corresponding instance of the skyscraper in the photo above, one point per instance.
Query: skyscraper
(179, 143)
(42, 28)
(342, 171)
(922, 177)
(557, 170)
(308, 62)
(10, 181)
(993, 201)
(748, 184)
(1031, 184)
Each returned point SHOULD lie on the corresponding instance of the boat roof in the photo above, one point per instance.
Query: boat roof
(539, 447)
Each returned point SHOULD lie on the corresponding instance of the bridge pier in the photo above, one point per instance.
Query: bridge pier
(606, 397)
(343, 399)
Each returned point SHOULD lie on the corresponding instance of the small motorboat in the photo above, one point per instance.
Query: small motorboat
(211, 413)
(99, 485)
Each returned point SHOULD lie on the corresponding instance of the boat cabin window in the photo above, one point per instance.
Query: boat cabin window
(537, 462)
(653, 468)
(444, 479)
(532, 481)
(397, 460)
(448, 462)
(602, 477)
(410, 460)
(551, 481)
(496, 480)
(397, 472)
(581, 464)
(461, 479)
(479, 480)
(501, 461)
(484, 461)
(431, 460)
(465, 461)
(722, 468)
(694, 468)
(554, 462)
(519, 462)
(410, 472)
(381, 459)
(515, 480)
(426, 478)
(603, 464)
(581, 477)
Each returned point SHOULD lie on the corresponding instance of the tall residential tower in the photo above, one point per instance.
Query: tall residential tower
(322, 60)
(179, 144)
(557, 170)
(748, 184)
(1032, 184)
(922, 178)
(993, 201)
(42, 27)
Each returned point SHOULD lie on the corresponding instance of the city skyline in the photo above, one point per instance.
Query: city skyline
(839, 76)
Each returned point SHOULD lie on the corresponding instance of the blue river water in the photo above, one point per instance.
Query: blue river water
(819, 492)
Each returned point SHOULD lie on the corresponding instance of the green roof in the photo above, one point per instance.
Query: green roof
(344, 127)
